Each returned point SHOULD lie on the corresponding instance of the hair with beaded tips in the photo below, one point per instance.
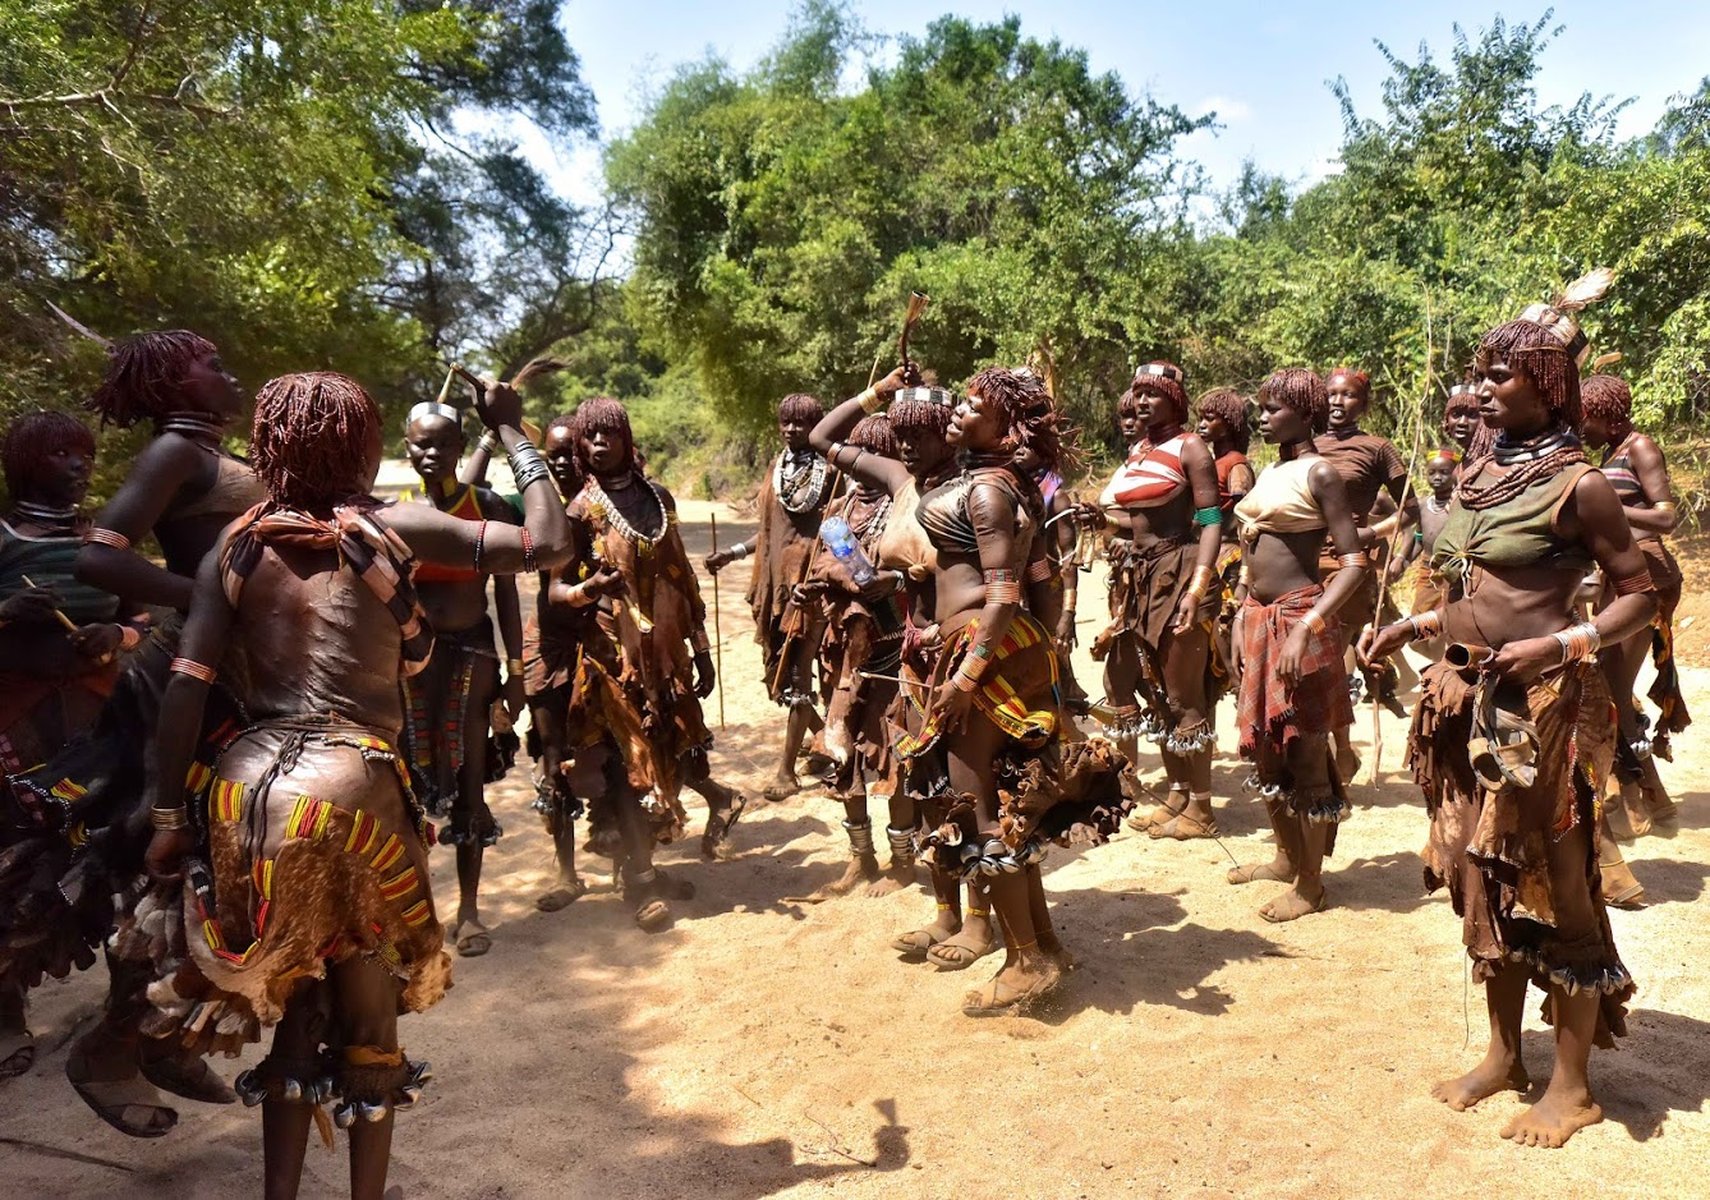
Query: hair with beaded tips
(873, 434)
(1030, 417)
(29, 441)
(1301, 390)
(1608, 397)
(1230, 407)
(1162, 386)
(1537, 353)
(799, 406)
(144, 374)
(312, 437)
(602, 414)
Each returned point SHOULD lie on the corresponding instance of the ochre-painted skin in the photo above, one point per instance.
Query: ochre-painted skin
(1514, 611)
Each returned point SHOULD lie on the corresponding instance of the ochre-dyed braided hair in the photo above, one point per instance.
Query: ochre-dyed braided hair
(1538, 353)
(1460, 402)
(29, 441)
(799, 406)
(144, 374)
(874, 435)
(1609, 397)
(1301, 390)
(1161, 386)
(1030, 417)
(1231, 407)
(311, 440)
(920, 415)
(606, 415)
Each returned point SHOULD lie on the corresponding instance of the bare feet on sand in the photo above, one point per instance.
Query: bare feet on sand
(1553, 1120)
(1483, 1081)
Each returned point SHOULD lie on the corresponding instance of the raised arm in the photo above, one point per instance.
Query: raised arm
(165, 467)
(827, 437)
(543, 540)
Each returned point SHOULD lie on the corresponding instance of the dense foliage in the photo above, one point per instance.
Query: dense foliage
(319, 182)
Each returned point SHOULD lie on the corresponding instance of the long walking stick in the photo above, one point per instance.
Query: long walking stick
(718, 633)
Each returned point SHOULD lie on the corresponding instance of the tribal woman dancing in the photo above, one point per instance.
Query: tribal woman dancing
(305, 861)
(447, 704)
(1514, 733)
(60, 642)
(1164, 598)
(920, 421)
(994, 707)
(551, 642)
(182, 489)
(1288, 641)
(792, 500)
(1634, 465)
(634, 729)
(861, 655)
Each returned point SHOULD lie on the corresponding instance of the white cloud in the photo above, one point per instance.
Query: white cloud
(1228, 109)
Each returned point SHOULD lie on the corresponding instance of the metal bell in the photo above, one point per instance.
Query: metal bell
(372, 1113)
(344, 1116)
(249, 1089)
(292, 1090)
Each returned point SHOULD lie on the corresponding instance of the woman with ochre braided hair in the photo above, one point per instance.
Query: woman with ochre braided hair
(1165, 597)
(1461, 421)
(1635, 467)
(1514, 732)
(182, 489)
(993, 706)
(61, 643)
(634, 729)
(1441, 471)
(1288, 641)
(956, 937)
(304, 863)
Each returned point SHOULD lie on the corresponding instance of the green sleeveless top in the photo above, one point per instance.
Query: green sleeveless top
(50, 562)
(1519, 533)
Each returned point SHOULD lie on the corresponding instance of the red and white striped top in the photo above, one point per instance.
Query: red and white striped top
(1151, 476)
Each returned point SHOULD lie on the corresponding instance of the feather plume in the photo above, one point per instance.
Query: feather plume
(917, 302)
(536, 367)
(1587, 289)
(79, 327)
(1606, 360)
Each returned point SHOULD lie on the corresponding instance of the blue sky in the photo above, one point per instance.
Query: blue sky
(1261, 66)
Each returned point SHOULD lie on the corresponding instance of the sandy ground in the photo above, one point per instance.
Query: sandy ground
(770, 1049)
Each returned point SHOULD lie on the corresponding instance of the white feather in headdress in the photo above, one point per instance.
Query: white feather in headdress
(1587, 289)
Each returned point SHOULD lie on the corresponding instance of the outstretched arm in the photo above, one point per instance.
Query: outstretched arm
(827, 437)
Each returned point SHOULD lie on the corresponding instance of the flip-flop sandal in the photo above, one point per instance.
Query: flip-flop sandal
(954, 956)
(1000, 999)
(915, 944)
(1183, 828)
(1274, 919)
(561, 897)
(717, 837)
(1254, 873)
(474, 945)
(191, 1078)
(17, 1053)
(113, 1099)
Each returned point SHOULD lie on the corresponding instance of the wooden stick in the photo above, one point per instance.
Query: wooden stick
(718, 634)
(63, 619)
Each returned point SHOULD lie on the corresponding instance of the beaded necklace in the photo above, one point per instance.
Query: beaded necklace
(602, 504)
(798, 480)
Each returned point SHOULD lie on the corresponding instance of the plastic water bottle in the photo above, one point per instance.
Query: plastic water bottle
(841, 541)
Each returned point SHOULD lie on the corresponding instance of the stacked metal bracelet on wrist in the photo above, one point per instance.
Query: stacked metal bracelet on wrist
(168, 819)
(527, 466)
(1425, 625)
(1579, 642)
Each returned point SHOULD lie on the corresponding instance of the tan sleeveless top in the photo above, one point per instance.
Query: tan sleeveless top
(1281, 501)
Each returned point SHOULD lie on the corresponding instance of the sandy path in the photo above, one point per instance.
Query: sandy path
(767, 1049)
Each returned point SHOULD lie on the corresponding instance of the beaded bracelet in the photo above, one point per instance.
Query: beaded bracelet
(528, 549)
(480, 544)
(1204, 517)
